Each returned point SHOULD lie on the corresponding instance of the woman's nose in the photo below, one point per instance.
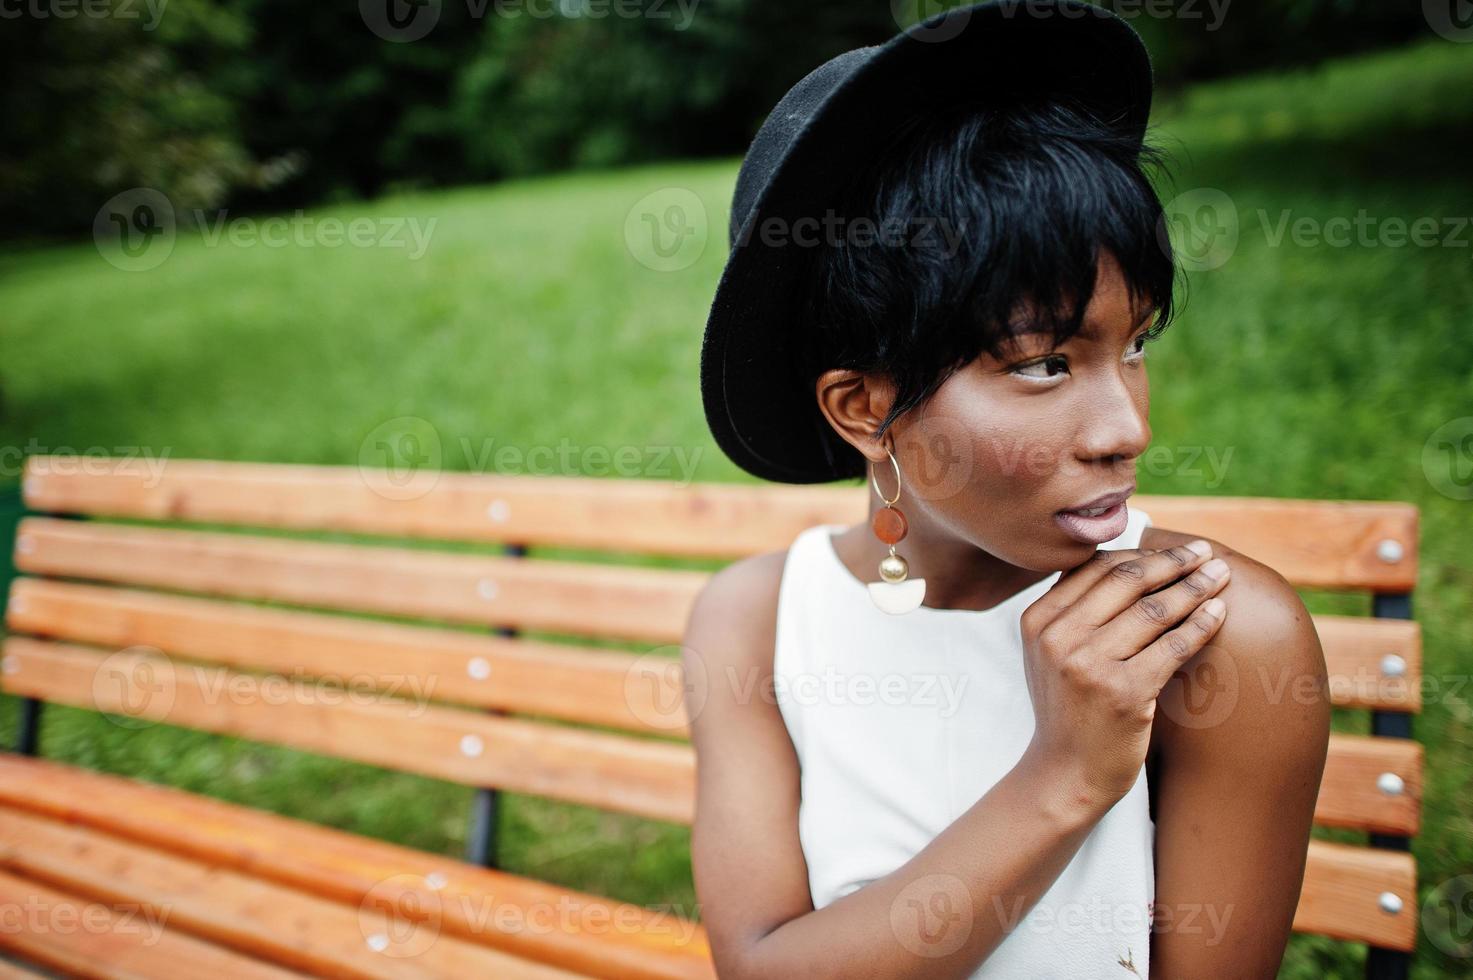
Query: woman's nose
(1115, 425)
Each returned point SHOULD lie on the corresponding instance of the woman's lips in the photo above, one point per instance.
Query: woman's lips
(1093, 530)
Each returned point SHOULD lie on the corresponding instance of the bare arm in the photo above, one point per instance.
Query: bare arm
(939, 915)
(1243, 736)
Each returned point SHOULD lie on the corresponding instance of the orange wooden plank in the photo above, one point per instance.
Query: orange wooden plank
(121, 941)
(643, 776)
(378, 938)
(1342, 895)
(531, 594)
(601, 687)
(1372, 783)
(1325, 544)
(1373, 663)
(647, 516)
(575, 930)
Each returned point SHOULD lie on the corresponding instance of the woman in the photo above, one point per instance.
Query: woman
(1006, 727)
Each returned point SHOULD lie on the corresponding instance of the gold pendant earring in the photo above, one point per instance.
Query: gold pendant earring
(896, 593)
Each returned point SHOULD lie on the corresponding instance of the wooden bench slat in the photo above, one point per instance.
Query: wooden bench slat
(700, 520)
(1341, 895)
(531, 594)
(601, 687)
(1319, 544)
(633, 603)
(257, 917)
(642, 776)
(1312, 543)
(1350, 791)
(593, 934)
(117, 944)
(1356, 651)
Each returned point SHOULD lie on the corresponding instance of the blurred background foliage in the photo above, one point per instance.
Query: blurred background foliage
(261, 105)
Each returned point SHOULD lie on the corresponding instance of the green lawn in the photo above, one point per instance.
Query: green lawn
(1313, 370)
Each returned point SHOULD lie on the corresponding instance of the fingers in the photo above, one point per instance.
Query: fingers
(1079, 579)
(1127, 582)
(1143, 621)
(1156, 664)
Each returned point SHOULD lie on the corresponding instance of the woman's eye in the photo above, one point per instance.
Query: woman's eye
(1138, 348)
(1043, 365)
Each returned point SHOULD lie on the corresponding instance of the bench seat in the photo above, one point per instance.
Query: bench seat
(236, 885)
(132, 600)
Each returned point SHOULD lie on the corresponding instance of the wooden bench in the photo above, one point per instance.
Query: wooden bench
(134, 618)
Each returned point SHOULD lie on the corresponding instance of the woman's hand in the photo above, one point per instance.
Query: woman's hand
(1100, 645)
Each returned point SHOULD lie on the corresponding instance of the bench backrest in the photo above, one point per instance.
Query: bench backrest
(131, 616)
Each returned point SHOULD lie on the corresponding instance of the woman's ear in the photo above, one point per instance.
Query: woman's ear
(855, 403)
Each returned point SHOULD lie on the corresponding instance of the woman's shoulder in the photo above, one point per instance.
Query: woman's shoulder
(734, 616)
(1266, 642)
(1266, 605)
(1261, 580)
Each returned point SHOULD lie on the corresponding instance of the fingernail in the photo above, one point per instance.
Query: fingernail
(1214, 607)
(1216, 568)
(1200, 547)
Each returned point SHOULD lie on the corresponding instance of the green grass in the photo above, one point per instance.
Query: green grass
(1322, 370)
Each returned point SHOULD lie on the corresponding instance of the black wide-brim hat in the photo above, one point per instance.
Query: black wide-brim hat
(762, 413)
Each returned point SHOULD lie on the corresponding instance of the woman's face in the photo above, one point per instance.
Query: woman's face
(1005, 445)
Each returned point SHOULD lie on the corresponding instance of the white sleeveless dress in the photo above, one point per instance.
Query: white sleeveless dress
(902, 722)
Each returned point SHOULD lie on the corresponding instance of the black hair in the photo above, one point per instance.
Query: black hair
(1028, 195)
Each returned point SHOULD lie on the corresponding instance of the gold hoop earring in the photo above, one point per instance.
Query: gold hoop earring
(896, 593)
